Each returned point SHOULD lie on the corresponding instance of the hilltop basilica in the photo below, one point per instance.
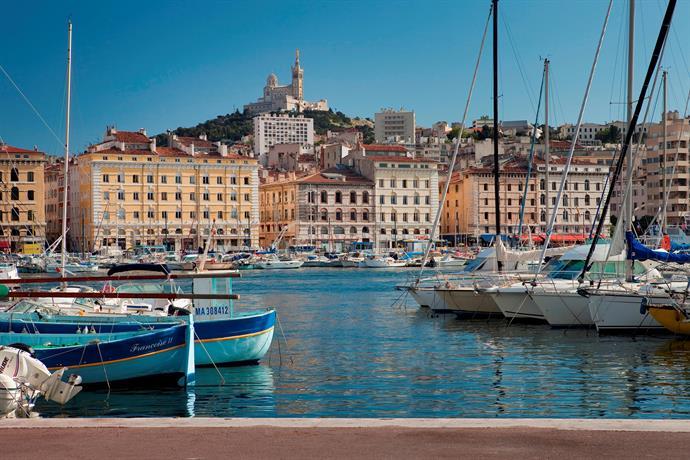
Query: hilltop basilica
(289, 98)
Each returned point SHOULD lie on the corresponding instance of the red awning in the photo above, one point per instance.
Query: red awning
(568, 238)
(535, 238)
(4, 244)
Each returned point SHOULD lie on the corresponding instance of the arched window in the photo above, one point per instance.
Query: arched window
(353, 215)
(324, 230)
(565, 215)
(324, 215)
(588, 216)
(353, 197)
(178, 231)
(543, 216)
(338, 214)
(416, 231)
(365, 197)
(338, 231)
(15, 214)
(14, 194)
(542, 199)
(383, 231)
(324, 196)
(338, 196)
(353, 230)
(565, 200)
(587, 200)
(542, 184)
(587, 184)
(365, 229)
(14, 175)
(405, 232)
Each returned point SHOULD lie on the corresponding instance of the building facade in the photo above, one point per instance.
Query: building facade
(330, 209)
(285, 98)
(127, 191)
(22, 199)
(394, 126)
(270, 130)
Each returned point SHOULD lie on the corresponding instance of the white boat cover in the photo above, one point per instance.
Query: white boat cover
(506, 255)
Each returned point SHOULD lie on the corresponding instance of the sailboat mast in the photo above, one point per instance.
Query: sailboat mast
(547, 155)
(66, 179)
(497, 190)
(627, 206)
(663, 152)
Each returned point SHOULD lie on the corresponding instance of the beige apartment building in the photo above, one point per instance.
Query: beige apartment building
(469, 210)
(677, 168)
(22, 198)
(330, 209)
(127, 191)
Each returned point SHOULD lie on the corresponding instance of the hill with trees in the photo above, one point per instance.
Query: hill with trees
(233, 127)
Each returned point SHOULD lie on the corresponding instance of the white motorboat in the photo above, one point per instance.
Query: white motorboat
(515, 301)
(8, 271)
(381, 262)
(448, 261)
(275, 263)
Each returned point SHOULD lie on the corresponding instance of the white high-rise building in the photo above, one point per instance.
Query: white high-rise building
(270, 130)
(395, 126)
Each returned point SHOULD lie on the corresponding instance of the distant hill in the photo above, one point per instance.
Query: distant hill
(233, 126)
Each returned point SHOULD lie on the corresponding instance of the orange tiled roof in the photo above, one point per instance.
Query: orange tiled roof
(384, 148)
(10, 149)
(131, 137)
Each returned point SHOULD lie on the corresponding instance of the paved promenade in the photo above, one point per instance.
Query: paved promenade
(203, 438)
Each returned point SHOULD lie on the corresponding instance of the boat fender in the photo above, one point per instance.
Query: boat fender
(23, 347)
(643, 306)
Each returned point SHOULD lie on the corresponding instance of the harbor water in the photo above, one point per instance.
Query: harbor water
(347, 344)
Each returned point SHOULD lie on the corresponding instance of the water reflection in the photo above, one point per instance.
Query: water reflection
(349, 352)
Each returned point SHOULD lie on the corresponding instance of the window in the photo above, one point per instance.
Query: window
(164, 214)
(338, 197)
(178, 196)
(106, 178)
(219, 180)
(204, 180)
(542, 184)
(486, 187)
(192, 180)
(30, 195)
(14, 177)
(149, 196)
(192, 196)
(14, 193)
(233, 180)
(178, 179)
(353, 197)
(394, 199)
(192, 215)
(324, 215)
(106, 196)
(324, 197)
(247, 197)
(206, 214)
(353, 215)
(15, 214)
(120, 178)
(30, 215)
(587, 185)
(219, 197)
(149, 179)
(382, 199)
(338, 214)
(164, 179)
(381, 183)
(219, 214)
(233, 196)
(178, 214)
(120, 195)
(204, 196)
(365, 216)
(150, 214)
(106, 215)
(135, 196)
(365, 197)
(404, 183)
(246, 181)
(135, 215)
(164, 196)
(404, 199)
(587, 200)
(392, 182)
(135, 178)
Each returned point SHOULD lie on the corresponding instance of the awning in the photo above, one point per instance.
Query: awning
(569, 238)
(535, 238)
(4, 244)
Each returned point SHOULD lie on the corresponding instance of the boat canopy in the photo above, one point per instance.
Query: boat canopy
(638, 251)
(157, 268)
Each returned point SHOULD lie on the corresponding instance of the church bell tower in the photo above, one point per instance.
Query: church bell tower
(297, 77)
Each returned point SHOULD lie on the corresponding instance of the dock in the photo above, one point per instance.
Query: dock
(205, 438)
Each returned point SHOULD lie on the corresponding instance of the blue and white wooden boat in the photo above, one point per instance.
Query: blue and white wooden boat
(163, 355)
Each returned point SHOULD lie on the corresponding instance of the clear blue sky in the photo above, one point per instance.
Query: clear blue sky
(161, 65)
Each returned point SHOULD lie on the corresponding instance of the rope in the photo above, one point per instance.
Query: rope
(280, 325)
(98, 346)
(222, 380)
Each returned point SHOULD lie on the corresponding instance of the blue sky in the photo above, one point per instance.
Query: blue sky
(161, 65)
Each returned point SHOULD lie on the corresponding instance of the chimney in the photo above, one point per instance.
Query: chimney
(153, 145)
(193, 151)
(203, 137)
(222, 149)
(142, 131)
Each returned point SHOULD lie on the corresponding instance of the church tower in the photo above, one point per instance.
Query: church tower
(297, 77)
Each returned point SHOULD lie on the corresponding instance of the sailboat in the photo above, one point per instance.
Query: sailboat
(616, 306)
